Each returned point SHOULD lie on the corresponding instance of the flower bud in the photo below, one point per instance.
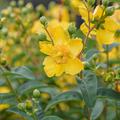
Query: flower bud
(42, 37)
(105, 2)
(44, 20)
(21, 106)
(36, 93)
(117, 33)
(13, 3)
(28, 105)
(3, 61)
(109, 11)
(91, 2)
(41, 9)
(21, 3)
(72, 28)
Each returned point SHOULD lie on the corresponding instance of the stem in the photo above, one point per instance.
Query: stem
(107, 57)
(89, 113)
(49, 35)
(34, 117)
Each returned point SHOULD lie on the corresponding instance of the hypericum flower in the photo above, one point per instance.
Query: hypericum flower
(61, 53)
(59, 12)
(109, 33)
(88, 16)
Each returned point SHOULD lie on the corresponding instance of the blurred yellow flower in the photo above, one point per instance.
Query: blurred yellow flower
(110, 32)
(60, 13)
(4, 89)
(88, 16)
(62, 54)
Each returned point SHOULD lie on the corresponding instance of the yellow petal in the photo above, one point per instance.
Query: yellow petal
(76, 46)
(111, 25)
(46, 48)
(59, 35)
(85, 29)
(52, 68)
(98, 12)
(105, 36)
(84, 12)
(73, 66)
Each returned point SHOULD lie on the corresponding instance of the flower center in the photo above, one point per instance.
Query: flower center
(61, 54)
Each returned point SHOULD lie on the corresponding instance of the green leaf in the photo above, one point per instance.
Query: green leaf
(51, 118)
(21, 73)
(108, 93)
(90, 54)
(7, 98)
(97, 109)
(114, 0)
(110, 47)
(88, 88)
(50, 90)
(64, 97)
(29, 87)
(16, 111)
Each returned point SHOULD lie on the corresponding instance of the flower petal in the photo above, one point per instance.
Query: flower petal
(98, 12)
(105, 36)
(46, 48)
(59, 35)
(76, 46)
(51, 68)
(73, 66)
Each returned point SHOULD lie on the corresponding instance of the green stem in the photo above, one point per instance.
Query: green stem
(34, 116)
(107, 57)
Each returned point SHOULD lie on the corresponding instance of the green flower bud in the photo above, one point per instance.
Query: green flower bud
(36, 93)
(28, 105)
(21, 106)
(105, 2)
(3, 62)
(41, 9)
(4, 30)
(24, 10)
(21, 3)
(72, 28)
(117, 34)
(13, 3)
(91, 2)
(44, 20)
(29, 6)
(109, 11)
(42, 37)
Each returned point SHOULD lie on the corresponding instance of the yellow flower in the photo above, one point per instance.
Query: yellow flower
(107, 34)
(59, 12)
(62, 54)
(89, 16)
(4, 90)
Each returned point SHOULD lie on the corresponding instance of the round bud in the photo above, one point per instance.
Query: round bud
(44, 20)
(29, 6)
(72, 28)
(3, 61)
(117, 34)
(42, 37)
(4, 30)
(21, 3)
(24, 10)
(41, 9)
(21, 106)
(109, 11)
(105, 2)
(91, 2)
(13, 3)
(28, 105)
(36, 93)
